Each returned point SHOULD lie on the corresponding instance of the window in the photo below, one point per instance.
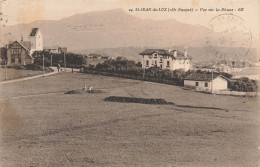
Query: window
(20, 60)
(161, 66)
(168, 63)
(12, 59)
(155, 62)
(16, 49)
(206, 84)
(155, 55)
(196, 83)
(147, 62)
(160, 59)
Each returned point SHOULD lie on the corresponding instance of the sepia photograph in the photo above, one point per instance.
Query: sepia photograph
(129, 83)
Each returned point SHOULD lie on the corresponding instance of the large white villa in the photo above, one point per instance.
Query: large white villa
(166, 59)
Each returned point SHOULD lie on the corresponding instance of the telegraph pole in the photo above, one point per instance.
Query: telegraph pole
(64, 60)
(51, 59)
(43, 64)
(144, 73)
(5, 70)
(212, 80)
(143, 67)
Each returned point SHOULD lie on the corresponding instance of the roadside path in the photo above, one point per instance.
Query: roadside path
(55, 71)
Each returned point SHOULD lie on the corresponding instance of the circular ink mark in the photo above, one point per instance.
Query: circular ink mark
(228, 31)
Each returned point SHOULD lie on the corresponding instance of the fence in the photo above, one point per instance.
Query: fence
(169, 81)
(236, 93)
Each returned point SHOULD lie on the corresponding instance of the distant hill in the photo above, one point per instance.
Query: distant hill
(199, 54)
(123, 34)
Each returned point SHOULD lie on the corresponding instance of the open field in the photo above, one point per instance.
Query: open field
(42, 126)
(15, 73)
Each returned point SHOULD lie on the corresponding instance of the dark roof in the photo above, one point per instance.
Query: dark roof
(26, 44)
(151, 51)
(164, 53)
(63, 49)
(203, 77)
(33, 32)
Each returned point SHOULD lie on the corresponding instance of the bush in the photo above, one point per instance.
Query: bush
(243, 85)
(33, 67)
(128, 69)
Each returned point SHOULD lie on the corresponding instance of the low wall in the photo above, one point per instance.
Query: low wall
(236, 93)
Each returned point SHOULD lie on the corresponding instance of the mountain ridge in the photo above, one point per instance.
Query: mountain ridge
(116, 28)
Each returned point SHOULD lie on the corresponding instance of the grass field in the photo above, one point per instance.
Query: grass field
(16, 73)
(42, 126)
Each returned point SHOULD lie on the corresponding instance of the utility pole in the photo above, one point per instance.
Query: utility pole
(43, 64)
(51, 59)
(143, 67)
(5, 70)
(64, 60)
(143, 72)
(212, 80)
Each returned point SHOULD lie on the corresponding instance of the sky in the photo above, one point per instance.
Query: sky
(26, 11)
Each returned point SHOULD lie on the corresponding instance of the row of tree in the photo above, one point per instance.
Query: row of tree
(243, 84)
(72, 59)
(129, 69)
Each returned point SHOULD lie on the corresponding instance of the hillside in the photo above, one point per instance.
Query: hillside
(125, 35)
(199, 54)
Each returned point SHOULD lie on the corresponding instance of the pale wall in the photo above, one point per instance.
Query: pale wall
(174, 63)
(218, 84)
(25, 59)
(36, 42)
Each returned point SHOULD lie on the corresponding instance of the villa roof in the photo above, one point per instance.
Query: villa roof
(151, 51)
(203, 77)
(33, 32)
(164, 52)
(63, 49)
(26, 44)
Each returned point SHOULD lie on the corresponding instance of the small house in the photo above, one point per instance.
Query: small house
(206, 82)
(18, 53)
(55, 49)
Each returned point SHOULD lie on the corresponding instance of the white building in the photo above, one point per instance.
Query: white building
(36, 40)
(55, 49)
(166, 59)
(222, 68)
(206, 82)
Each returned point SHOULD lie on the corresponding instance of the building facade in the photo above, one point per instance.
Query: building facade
(18, 53)
(206, 82)
(166, 59)
(36, 40)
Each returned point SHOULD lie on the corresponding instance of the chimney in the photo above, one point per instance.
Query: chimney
(175, 53)
(185, 51)
(21, 37)
(169, 50)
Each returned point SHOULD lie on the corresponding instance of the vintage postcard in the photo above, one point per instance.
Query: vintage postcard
(125, 83)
